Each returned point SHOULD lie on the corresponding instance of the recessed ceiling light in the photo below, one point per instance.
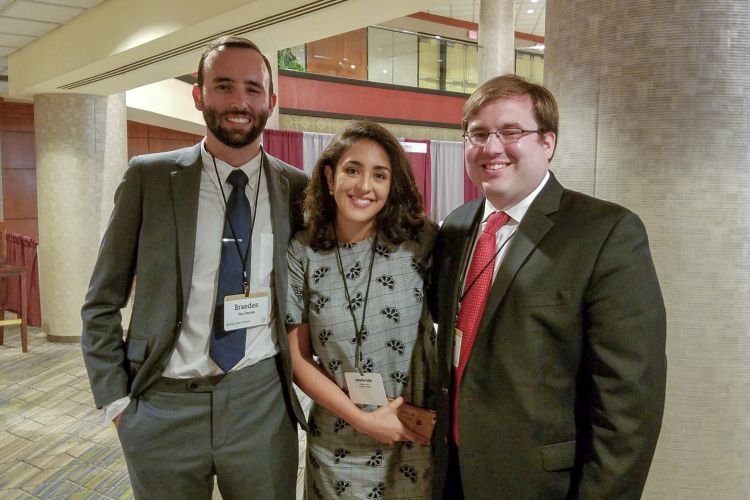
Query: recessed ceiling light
(530, 11)
(534, 1)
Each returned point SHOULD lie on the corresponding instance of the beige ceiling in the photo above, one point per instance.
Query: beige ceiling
(529, 14)
(23, 21)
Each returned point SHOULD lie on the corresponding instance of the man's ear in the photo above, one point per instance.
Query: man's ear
(549, 141)
(197, 97)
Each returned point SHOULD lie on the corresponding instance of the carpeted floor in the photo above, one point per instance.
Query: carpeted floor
(53, 442)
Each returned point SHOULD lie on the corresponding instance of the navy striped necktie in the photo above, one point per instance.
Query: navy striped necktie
(227, 348)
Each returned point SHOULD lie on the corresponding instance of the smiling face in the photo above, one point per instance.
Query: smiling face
(234, 99)
(506, 174)
(361, 183)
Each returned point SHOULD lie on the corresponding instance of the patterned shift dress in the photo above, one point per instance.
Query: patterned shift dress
(398, 343)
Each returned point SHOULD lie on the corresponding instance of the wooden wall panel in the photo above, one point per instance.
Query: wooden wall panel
(136, 129)
(144, 139)
(19, 188)
(137, 146)
(159, 145)
(19, 167)
(27, 227)
(165, 133)
(16, 117)
(18, 150)
(335, 55)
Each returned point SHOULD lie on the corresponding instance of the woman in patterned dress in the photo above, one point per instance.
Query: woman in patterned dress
(356, 305)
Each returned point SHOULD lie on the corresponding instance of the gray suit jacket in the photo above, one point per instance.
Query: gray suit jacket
(151, 238)
(563, 394)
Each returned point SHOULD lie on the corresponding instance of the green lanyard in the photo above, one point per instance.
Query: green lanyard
(357, 328)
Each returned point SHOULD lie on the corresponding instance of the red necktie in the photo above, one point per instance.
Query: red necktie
(478, 282)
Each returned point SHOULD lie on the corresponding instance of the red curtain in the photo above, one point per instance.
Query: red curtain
(286, 145)
(22, 251)
(470, 190)
(420, 164)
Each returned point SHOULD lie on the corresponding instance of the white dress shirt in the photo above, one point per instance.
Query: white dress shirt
(190, 357)
(516, 214)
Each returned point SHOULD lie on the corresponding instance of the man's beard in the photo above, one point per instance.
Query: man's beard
(234, 138)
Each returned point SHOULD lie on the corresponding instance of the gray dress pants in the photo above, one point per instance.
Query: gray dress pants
(181, 433)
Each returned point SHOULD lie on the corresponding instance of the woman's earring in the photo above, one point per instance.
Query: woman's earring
(330, 191)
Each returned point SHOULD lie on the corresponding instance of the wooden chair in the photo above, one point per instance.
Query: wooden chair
(9, 271)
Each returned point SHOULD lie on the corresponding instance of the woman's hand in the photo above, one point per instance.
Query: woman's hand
(384, 425)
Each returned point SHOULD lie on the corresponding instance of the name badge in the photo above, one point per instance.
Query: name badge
(243, 312)
(366, 389)
(457, 336)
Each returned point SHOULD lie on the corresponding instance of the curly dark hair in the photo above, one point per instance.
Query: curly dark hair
(401, 218)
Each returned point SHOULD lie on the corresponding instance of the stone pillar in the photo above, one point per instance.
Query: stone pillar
(496, 38)
(81, 151)
(654, 100)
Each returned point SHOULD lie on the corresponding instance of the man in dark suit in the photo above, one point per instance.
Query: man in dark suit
(201, 386)
(551, 322)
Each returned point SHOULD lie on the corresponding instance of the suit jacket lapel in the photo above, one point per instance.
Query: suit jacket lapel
(466, 227)
(278, 197)
(186, 179)
(532, 229)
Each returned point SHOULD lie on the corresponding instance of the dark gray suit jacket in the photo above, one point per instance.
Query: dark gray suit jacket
(563, 394)
(151, 237)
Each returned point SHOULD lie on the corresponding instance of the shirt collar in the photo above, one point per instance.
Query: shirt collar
(250, 168)
(517, 211)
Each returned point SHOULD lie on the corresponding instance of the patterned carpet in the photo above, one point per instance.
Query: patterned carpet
(53, 443)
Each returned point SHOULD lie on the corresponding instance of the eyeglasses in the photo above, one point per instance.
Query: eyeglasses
(479, 138)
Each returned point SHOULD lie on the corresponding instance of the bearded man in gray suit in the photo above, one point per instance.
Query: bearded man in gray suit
(201, 385)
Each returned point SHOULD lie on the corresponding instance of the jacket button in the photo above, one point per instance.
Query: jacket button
(179, 324)
(445, 390)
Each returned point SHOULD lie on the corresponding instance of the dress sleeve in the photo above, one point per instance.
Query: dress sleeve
(297, 295)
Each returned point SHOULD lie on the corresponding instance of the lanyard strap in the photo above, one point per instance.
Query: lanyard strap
(474, 281)
(243, 258)
(357, 328)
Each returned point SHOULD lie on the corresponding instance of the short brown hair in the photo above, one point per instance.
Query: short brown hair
(231, 42)
(544, 103)
(402, 217)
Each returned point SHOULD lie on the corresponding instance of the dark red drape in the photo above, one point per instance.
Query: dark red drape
(420, 164)
(470, 190)
(286, 145)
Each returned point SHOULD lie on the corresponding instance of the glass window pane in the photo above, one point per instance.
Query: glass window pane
(537, 69)
(455, 67)
(472, 68)
(523, 64)
(379, 54)
(404, 59)
(292, 58)
(429, 65)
